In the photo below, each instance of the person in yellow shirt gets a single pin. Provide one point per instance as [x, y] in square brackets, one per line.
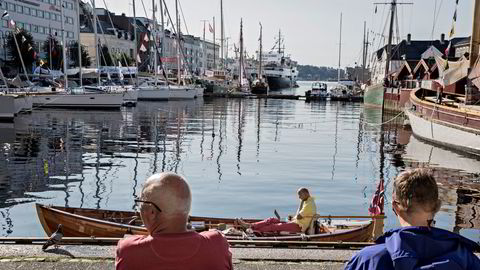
[296, 224]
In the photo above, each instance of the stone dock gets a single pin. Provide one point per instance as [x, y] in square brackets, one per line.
[102, 257]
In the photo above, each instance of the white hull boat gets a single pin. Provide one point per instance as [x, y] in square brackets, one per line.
[7, 107]
[79, 100]
[178, 92]
[130, 96]
[153, 93]
[446, 134]
[423, 152]
[200, 91]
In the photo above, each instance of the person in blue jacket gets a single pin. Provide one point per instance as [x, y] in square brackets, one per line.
[417, 245]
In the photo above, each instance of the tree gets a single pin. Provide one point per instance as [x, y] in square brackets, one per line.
[106, 59]
[52, 47]
[126, 60]
[86, 60]
[27, 48]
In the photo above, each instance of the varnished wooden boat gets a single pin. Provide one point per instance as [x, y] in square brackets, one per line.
[81, 222]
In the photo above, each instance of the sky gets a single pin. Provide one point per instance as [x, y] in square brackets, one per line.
[311, 28]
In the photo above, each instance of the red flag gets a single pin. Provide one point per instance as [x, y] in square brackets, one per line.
[210, 28]
[378, 201]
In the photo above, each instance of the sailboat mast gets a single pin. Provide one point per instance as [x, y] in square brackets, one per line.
[214, 47]
[95, 34]
[179, 75]
[79, 43]
[364, 56]
[340, 49]
[154, 19]
[475, 40]
[279, 41]
[162, 44]
[64, 47]
[260, 77]
[390, 37]
[135, 41]
[203, 51]
[222, 61]
[240, 64]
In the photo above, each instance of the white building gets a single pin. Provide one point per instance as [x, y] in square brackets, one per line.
[40, 18]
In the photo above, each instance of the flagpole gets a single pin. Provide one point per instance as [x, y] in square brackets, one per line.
[178, 43]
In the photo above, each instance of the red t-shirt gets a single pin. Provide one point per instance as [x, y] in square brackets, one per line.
[179, 251]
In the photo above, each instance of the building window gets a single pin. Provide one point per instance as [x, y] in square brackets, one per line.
[20, 25]
[5, 23]
[33, 12]
[35, 29]
[40, 13]
[28, 27]
[19, 9]
[26, 10]
[11, 7]
[41, 30]
[69, 34]
[47, 15]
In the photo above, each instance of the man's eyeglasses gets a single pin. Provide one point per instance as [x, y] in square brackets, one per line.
[138, 204]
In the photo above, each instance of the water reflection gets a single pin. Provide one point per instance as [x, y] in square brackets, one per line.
[231, 151]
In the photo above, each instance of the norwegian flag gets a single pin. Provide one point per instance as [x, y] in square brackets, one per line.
[378, 200]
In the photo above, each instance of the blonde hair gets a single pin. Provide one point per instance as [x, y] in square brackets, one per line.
[417, 189]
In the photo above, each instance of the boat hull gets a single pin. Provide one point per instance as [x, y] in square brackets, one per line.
[7, 108]
[396, 99]
[79, 222]
[179, 93]
[153, 94]
[83, 101]
[278, 83]
[374, 95]
[445, 134]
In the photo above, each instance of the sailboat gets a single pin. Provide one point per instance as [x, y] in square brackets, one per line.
[448, 117]
[374, 94]
[260, 86]
[342, 92]
[243, 85]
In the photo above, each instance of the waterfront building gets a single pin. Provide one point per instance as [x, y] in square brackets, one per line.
[41, 18]
[414, 50]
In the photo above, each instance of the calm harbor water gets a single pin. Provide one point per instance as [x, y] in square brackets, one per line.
[242, 158]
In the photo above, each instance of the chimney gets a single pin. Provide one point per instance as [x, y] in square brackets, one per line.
[442, 39]
[409, 39]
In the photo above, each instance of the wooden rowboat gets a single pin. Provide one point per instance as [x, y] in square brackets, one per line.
[81, 222]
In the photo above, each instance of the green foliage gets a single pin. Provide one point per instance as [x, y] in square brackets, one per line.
[52, 47]
[314, 73]
[27, 49]
[86, 60]
[105, 58]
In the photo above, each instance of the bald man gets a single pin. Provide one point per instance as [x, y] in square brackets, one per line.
[297, 224]
[164, 207]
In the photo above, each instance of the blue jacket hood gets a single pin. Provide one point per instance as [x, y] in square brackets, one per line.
[423, 242]
[411, 248]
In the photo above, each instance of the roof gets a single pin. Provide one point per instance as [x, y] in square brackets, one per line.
[415, 48]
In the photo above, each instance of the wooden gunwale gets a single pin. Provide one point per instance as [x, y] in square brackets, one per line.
[46, 215]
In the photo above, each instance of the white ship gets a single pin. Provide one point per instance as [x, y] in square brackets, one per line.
[280, 70]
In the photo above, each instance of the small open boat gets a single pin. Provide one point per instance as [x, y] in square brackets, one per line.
[81, 222]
